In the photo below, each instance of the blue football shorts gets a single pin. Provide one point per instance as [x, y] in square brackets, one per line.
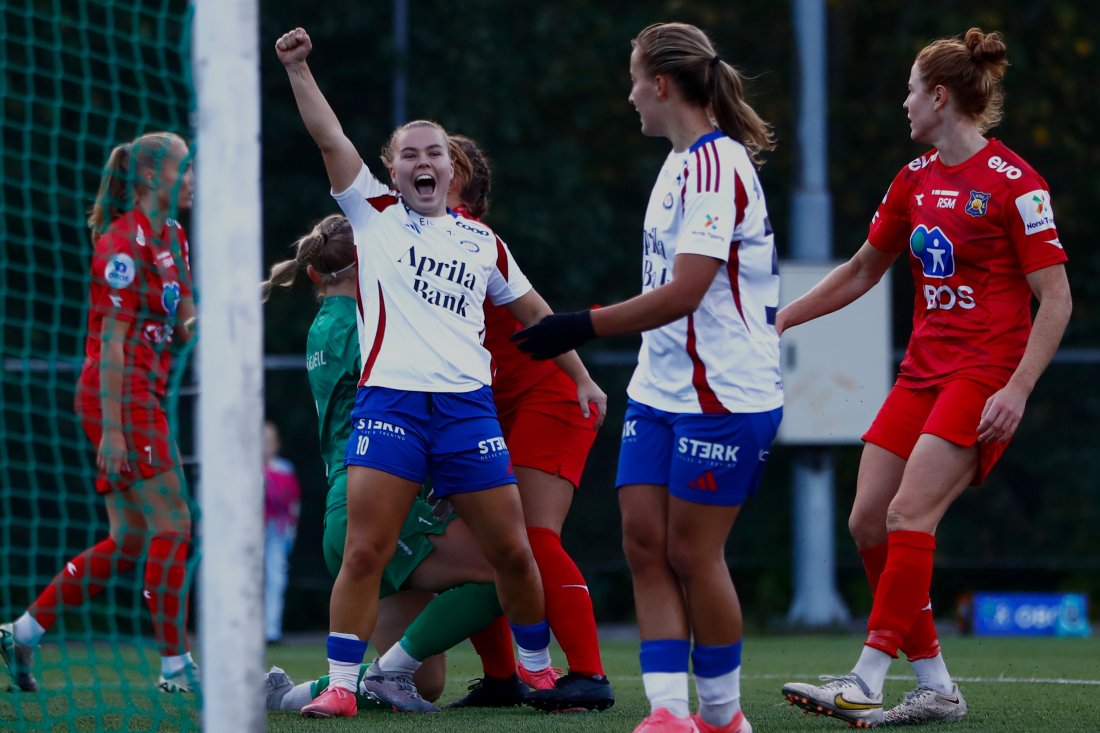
[454, 437]
[704, 459]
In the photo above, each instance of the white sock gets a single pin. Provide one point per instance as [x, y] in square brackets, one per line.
[932, 672]
[343, 674]
[398, 661]
[171, 665]
[534, 660]
[297, 696]
[872, 667]
[27, 630]
[719, 697]
[667, 690]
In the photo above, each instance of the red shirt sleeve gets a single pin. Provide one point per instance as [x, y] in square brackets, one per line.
[117, 276]
[1030, 226]
[889, 230]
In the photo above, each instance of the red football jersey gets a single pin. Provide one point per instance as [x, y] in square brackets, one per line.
[136, 279]
[973, 231]
[513, 371]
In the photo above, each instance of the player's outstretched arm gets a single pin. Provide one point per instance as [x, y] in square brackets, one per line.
[842, 286]
[532, 308]
[342, 161]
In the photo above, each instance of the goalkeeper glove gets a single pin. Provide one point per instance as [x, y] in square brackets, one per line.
[556, 334]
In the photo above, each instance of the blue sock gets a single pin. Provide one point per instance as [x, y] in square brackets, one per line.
[345, 654]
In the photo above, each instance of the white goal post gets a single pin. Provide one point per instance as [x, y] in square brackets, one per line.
[227, 254]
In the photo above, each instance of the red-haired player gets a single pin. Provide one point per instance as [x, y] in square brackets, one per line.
[977, 223]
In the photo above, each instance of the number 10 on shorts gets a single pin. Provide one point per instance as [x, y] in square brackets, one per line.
[361, 445]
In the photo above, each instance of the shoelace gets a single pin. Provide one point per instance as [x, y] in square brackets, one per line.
[832, 682]
[403, 683]
[919, 692]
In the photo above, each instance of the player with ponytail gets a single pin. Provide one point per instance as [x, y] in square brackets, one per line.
[140, 297]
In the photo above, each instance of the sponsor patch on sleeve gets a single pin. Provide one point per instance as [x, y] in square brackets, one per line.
[1035, 211]
[119, 272]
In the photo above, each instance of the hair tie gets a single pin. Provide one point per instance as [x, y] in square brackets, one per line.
[715, 61]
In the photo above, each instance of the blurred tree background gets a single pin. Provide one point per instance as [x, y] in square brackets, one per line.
[543, 87]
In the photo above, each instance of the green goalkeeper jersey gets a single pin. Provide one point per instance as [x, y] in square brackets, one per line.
[333, 363]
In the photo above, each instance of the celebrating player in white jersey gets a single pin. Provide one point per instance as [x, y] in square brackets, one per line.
[423, 399]
[706, 398]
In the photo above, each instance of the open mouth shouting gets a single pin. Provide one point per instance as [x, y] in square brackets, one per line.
[425, 184]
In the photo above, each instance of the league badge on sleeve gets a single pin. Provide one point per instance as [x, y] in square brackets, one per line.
[119, 272]
[1035, 210]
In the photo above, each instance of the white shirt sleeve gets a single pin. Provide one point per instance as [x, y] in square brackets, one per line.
[355, 200]
[708, 226]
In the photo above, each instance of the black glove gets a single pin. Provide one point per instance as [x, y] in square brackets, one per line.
[556, 334]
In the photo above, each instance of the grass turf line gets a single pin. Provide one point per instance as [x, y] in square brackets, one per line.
[1000, 692]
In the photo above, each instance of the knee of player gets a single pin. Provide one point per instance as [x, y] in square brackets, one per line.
[690, 560]
[866, 530]
[643, 549]
[364, 558]
[131, 544]
[512, 558]
[907, 516]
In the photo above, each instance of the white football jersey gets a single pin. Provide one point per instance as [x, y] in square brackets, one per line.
[422, 288]
[724, 357]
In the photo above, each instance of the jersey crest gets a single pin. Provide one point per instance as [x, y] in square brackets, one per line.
[978, 203]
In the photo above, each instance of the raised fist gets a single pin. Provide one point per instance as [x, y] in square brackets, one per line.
[293, 47]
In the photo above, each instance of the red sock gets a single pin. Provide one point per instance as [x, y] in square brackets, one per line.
[874, 562]
[568, 604]
[81, 580]
[165, 577]
[902, 589]
[921, 641]
[494, 645]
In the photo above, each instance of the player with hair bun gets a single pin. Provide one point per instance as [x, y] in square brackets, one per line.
[140, 299]
[977, 223]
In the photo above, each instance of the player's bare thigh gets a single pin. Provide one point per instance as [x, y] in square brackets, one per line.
[150, 507]
[936, 473]
[877, 484]
[457, 559]
[546, 498]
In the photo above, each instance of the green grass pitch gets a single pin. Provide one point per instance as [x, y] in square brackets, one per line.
[1010, 685]
[1022, 685]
